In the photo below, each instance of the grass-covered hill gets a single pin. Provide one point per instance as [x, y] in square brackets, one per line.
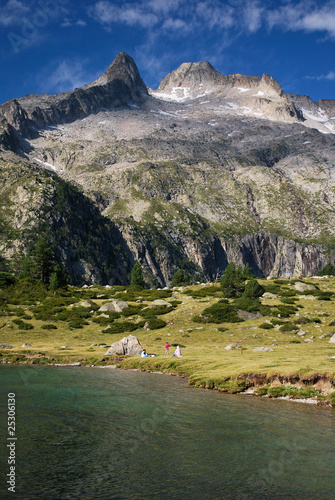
[293, 323]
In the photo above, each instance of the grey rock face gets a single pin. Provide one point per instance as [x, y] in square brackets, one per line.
[332, 340]
[127, 346]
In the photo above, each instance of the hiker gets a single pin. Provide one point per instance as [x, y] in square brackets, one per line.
[167, 345]
[144, 354]
[177, 352]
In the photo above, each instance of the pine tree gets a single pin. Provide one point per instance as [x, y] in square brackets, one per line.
[42, 259]
[180, 278]
[58, 278]
[137, 276]
[54, 284]
[27, 265]
[233, 280]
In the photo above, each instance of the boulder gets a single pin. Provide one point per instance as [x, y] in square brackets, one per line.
[84, 303]
[301, 333]
[332, 340]
[263, 349]
[309, 341]
[6, 346]
[245, 315]
[128, 345]
[159, 303]
[268, 295]
[115, 306]
[26, 345]
[302, 287]
[230, 347]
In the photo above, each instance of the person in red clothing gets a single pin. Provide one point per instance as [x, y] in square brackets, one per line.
[167, 345]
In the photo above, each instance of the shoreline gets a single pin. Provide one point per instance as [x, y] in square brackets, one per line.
[248, 392]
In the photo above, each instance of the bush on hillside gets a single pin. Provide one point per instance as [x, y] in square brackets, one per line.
[218, 313]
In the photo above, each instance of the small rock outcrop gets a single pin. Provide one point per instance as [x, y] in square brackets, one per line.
[303, 287]
[127, 346]
[159, 303]
[332, 340]
[230, 347]
[263, 349]
[115, 306]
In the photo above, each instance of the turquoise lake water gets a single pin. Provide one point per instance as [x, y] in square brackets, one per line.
[91, 433]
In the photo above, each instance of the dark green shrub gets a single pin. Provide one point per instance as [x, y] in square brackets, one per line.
[288, 327]
[49, 327]
[247, 304]
[155, 323]
[315, 320]
[285, 311]
[265, 326]
[223, 329]
[6, 279]
[302, 321]
[286, 300]
[295, 342]
[120, 327]
[77, 323]
[276, 322]
[287, 292]
[131, 311]
[175, 303]
[22, 325]
[155, 311]
[218, 313]
[253, 289]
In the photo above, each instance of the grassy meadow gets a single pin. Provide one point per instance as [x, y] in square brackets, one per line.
[66, 326]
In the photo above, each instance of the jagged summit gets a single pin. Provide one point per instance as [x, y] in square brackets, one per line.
[203, 76]
[122, 68]
[119, 86]
[191, 75]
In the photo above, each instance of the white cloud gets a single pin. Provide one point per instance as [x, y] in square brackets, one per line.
[253, 16]
[130, 13]
[68, 23]
[247, 16]
[175, 24]
[12, 12]
[304, 16]
[64, 76]
[329, 76]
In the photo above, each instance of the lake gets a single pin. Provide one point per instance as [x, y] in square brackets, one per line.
[94, 433]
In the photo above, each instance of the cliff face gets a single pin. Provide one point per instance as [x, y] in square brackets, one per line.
[205, 170]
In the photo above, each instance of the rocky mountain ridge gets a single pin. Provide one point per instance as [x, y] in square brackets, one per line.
[205, 170]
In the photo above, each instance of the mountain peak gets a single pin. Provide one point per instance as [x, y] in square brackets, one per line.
[122, 68]
[191, 75]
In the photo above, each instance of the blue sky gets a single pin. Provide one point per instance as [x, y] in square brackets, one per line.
[50, 46]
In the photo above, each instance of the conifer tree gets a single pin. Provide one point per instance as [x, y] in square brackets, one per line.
[137, 276]
[42, 259]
